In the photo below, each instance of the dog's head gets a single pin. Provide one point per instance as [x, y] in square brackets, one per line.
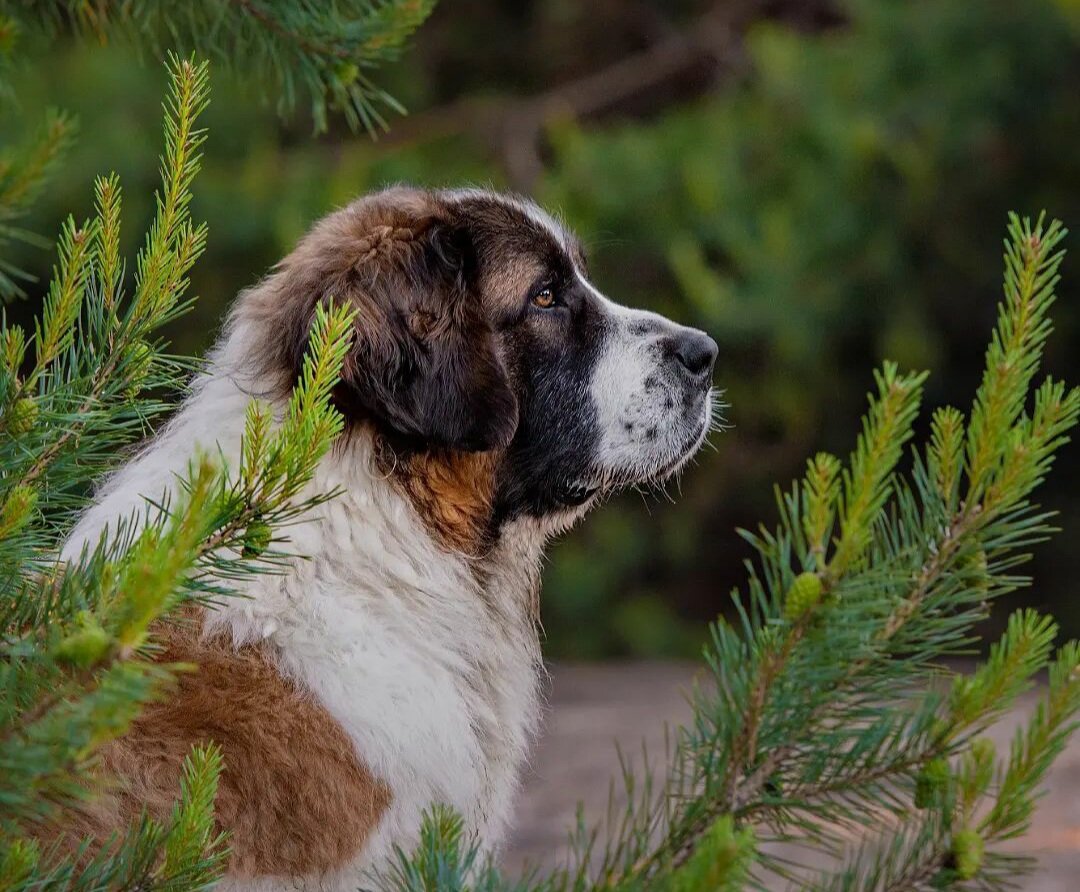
[479, 335]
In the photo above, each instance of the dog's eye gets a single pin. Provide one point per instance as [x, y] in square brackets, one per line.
[544, 298]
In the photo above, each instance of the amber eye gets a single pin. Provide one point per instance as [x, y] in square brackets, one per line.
[544, 298]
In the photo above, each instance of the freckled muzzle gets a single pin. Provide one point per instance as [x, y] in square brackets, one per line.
[651, 390]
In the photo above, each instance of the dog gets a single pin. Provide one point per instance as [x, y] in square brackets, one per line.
[491, 396]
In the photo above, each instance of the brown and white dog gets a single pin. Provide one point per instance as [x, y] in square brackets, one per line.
[492, 396]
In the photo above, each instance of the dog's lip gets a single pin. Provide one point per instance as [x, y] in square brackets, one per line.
[587, 489]
[578, 493]
[689, 449]
[662, 474]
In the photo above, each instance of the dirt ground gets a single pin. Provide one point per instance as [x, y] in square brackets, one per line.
[593, 706]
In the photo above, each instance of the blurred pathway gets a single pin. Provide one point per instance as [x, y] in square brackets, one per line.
[592, 706]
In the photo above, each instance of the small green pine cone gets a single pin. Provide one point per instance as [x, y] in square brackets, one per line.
[973, 570]
[257, 538]
[346, 73]
[87, 645]
[142, 356]
[17, 509]
[21, 416]
[803, 596]
[932, 784]
[968, 850]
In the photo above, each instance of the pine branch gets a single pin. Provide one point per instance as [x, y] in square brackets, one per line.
[76, 652]
[1031, 272]
[116, 359]
[324, 50]
[193, 852]
[320, 49]
[23, 173]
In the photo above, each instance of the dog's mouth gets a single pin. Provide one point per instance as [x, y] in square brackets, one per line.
[676, 464]
[578, 492]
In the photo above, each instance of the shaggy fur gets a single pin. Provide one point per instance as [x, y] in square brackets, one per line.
[293, 794]
[492, 396]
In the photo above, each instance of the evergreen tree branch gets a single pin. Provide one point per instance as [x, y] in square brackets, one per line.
[77, 639]
[23, 172]
[323, 50]
[88, 395]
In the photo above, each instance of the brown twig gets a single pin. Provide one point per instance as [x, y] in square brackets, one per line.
[514, 127]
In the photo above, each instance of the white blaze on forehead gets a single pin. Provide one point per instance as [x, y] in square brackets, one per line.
[526, 207]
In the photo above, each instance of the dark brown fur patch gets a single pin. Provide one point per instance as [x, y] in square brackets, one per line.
[424, 378]
[293, 796]
[423, 367]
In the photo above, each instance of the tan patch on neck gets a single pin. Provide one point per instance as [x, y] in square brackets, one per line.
[293, 796]
[452, 492]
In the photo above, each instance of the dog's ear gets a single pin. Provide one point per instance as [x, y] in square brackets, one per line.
[424, 364]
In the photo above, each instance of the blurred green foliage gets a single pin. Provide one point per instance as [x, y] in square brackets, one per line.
[835, 200]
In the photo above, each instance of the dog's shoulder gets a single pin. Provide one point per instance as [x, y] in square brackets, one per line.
[293, 796]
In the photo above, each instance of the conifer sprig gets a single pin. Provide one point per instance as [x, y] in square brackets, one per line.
[886, 428]
[95, 389]
[324, 51]
[23, 171]
[77, 645]
[181, 853]
[1012, 359]
[173, 244]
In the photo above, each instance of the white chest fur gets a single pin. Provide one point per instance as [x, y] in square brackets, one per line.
[432, 675]
[430, 664]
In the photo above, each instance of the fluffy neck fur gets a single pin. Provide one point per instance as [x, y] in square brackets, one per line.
[211, 418]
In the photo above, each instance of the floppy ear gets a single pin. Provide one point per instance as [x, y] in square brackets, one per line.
[423, 364]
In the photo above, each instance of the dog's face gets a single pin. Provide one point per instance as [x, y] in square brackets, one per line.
[479, 334]
[606, 396]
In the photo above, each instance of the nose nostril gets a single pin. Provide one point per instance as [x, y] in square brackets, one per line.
[697, 352]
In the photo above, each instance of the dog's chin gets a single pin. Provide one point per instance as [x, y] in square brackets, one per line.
[653, 471]
[672, 467]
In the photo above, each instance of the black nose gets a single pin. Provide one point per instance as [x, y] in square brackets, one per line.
[696, 351]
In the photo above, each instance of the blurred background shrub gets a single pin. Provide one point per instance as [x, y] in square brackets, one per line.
[818, 184]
